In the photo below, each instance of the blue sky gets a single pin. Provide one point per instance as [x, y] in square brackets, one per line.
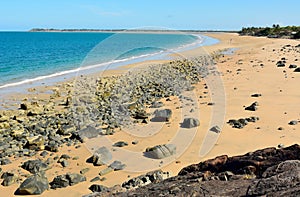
[172, 14]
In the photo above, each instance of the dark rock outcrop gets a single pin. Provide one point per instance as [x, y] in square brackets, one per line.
[268, 172]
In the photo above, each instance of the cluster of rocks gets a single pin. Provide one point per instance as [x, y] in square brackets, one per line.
[242, 122]
[94, 107]
[266, 172]
[94, 104]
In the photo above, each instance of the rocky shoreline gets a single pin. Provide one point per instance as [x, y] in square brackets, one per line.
[89, 108]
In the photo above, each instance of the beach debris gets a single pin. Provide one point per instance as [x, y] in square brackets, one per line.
[34, 185]
[163, 115]
[161, 151]
[190, 123]
[252, 107]
[100, 157]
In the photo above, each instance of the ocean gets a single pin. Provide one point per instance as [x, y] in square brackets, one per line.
[26, 57]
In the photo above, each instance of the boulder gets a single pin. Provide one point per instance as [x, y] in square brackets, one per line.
[34, 185]
[215, 129]
[297, 69]
[98, 188]
[65, 180]
[161, 151]
[117, 165]
[120, 144]
[162, 115]
[34, 166]
[8, 179]
[35, 143]
[293, 122]
[89, 132]
[190, 123]
[252, 107]
[100, 157]
[293, 66]
[66, 130]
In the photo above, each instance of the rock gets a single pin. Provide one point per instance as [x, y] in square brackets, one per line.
[89, 132]
[256, 95]
[281, 177]
[75, 178]
[60, 181]
[252, 107]
[97, 178]
[34, 185]
[216, 129]
[142, 180]
[293, 66]
[66, 130]
[64, 163]
[141, 114]
[120, 144]
[100, 157]
[5, 161]
[84, 170]
[106, 171]
[135, 142]
[35, 143]
[23, 106]
[8, 179]
[65, 180]
[190, 123]
[280, 64]
[161, 151]
[117, 165]
[34, 166]
[156, 104]
[293, 122]
[98, 188]
[162, 115]
[297, 69]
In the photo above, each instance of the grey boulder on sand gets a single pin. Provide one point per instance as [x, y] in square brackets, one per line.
[162, 115]
[34, 185]
[190, 123]
[101, 157]
[161, 151]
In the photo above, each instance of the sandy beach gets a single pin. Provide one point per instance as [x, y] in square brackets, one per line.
[250, 69]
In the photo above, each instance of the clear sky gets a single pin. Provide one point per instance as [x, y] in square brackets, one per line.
[172, 14]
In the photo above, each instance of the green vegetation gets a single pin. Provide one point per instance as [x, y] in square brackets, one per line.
[292, 32]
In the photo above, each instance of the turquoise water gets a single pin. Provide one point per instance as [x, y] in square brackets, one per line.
[30, 56]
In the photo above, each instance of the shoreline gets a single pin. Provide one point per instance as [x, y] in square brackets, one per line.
[241, 78]
[22, 87]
